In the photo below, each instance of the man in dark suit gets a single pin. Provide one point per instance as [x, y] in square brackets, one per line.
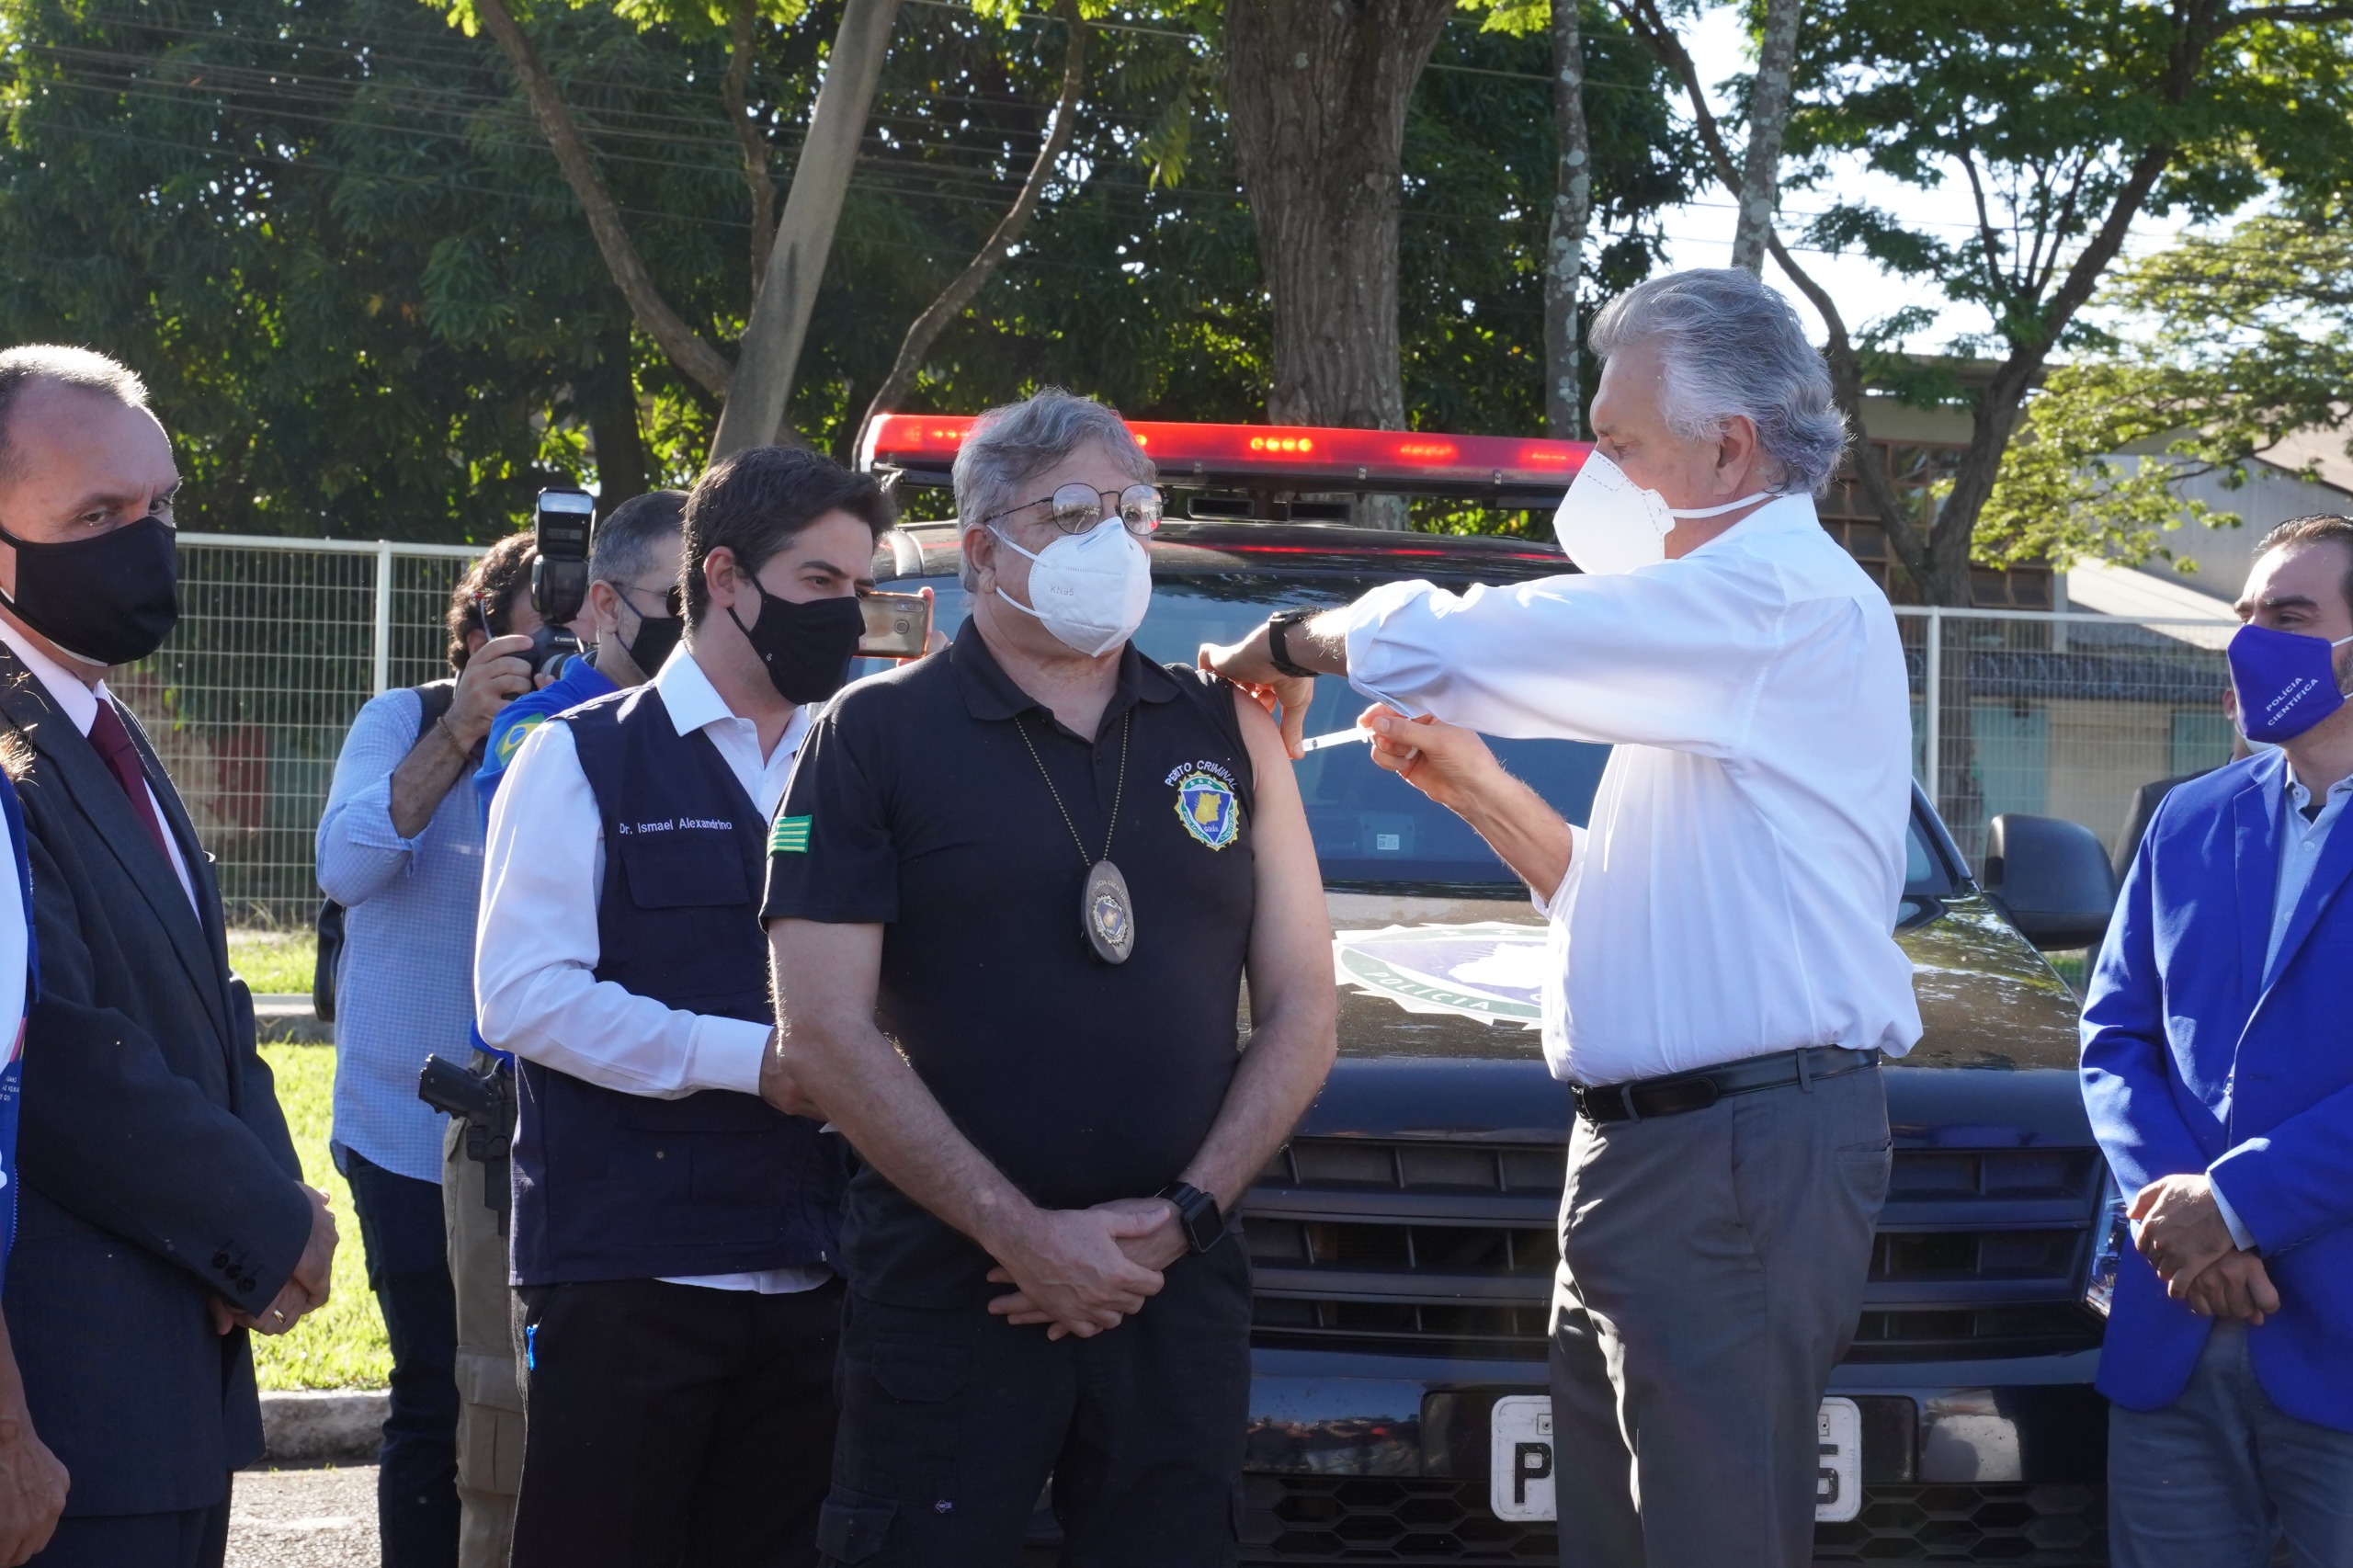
[161, 1208]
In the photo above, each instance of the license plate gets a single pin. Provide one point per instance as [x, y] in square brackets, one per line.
[1521, 1487]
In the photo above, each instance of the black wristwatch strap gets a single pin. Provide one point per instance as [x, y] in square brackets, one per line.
[1197, 1215]
[1279, 627]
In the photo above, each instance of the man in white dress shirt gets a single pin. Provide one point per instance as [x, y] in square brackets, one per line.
[674, 1238]
[1724, 978]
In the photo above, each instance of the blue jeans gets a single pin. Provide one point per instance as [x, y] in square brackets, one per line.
[408, 1269]
[2215, 1478]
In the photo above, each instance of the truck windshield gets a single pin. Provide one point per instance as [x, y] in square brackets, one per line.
[1372, 829]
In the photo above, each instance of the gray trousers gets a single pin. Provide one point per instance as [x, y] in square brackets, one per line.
[2217, 1477]
[1712, 1274]
[490, 1414]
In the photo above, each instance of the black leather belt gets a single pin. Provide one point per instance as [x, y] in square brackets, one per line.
[1679, 1092]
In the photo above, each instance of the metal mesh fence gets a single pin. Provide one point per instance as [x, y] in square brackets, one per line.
[282, 640]
[2060, 715]
[279, 643]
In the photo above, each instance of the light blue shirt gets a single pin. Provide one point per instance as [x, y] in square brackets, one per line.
[405, 990]
[2301, 842]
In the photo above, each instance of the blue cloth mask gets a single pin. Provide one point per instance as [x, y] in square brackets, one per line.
[2286, 682]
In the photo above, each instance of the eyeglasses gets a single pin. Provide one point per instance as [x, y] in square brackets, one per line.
[1076, 508]
[672, 605]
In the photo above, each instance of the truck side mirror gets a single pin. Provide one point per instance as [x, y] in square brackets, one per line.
[2052, 878]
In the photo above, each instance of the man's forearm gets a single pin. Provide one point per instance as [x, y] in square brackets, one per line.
[424, 776]
[1523, 830]
[1320, 642]
[1281, 1070]
[868, 1090]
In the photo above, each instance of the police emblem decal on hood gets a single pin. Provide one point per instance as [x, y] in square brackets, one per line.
[1492, 970]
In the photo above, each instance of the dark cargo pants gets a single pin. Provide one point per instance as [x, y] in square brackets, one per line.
[952, 1419]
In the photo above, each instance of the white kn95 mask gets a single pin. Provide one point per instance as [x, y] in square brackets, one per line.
[1608, 524]
[1090, 590]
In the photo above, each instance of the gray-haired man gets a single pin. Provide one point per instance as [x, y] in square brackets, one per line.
[1724, 979]
[1070, 1118]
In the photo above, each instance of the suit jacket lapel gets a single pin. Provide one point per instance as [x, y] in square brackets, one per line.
[177, 823]
[113, 822]
[2328, 876]
[2255, 812]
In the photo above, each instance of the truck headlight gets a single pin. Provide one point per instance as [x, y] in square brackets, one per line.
[2111, 1236]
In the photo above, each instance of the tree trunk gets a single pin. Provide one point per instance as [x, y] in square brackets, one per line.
[1571, 212]
[927, 327]
[665, 326]
[770, 352]
[1316, 92]
[610, 404]
[1769, 117]
[743, 29]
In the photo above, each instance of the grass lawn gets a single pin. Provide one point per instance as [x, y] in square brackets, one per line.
[341, 1345]
[275, 963]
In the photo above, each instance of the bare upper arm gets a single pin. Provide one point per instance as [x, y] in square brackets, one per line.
[1290, 935]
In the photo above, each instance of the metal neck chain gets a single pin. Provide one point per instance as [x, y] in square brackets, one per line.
[1118, 791]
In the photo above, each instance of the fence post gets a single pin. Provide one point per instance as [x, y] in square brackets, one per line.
[382, 649]
[1932, 695]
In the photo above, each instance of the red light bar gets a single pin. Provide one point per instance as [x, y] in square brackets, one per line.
[1296, 457]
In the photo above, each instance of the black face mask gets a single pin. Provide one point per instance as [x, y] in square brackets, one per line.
[657, 637]
[807, 647]
[108, 600]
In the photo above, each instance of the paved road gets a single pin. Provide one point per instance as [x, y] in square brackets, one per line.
[303, 1519]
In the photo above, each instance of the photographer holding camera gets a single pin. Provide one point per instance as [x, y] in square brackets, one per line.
[400, 848]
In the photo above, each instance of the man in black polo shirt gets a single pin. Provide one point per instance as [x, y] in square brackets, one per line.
[1043, 864]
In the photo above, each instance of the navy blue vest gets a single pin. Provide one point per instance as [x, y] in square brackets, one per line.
[610, 1185]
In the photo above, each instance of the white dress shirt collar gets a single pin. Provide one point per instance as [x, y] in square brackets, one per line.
[694, 703]
[78, 702]
[1783, 514]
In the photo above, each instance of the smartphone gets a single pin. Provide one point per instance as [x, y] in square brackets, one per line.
[897, 625]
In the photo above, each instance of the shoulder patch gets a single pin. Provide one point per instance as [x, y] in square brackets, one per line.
[789, 836]
[516, 734]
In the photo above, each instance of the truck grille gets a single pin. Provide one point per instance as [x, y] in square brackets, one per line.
[1299, 1519]
[1450, 1247]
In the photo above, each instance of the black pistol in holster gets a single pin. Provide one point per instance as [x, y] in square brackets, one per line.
[485, 1103]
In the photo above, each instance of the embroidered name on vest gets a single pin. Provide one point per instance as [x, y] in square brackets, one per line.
[674, 825]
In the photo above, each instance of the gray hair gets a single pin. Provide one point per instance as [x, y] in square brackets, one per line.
[1010, 445]
[626, 537]
[68, 367]
[1730, 346]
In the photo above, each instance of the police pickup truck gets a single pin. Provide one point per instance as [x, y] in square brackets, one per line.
[1403, 1242]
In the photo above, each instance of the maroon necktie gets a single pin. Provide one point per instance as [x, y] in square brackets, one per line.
[113, 741]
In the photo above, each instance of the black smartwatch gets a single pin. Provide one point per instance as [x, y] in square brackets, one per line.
[1197, 1215]
[1279, 627]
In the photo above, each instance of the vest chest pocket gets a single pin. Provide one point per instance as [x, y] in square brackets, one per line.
[685, 870]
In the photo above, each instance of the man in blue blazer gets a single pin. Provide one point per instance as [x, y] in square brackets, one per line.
[2218, 1070]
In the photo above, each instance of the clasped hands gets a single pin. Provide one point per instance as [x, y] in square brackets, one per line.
[1082, 1270]
[1076, 1270]
[305, 1290]
[2178, 1226]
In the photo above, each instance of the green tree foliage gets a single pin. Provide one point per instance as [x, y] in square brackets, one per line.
[331, 236]
[1480, 145]
[2234, 342]
[359, 315]
[2054, 125]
